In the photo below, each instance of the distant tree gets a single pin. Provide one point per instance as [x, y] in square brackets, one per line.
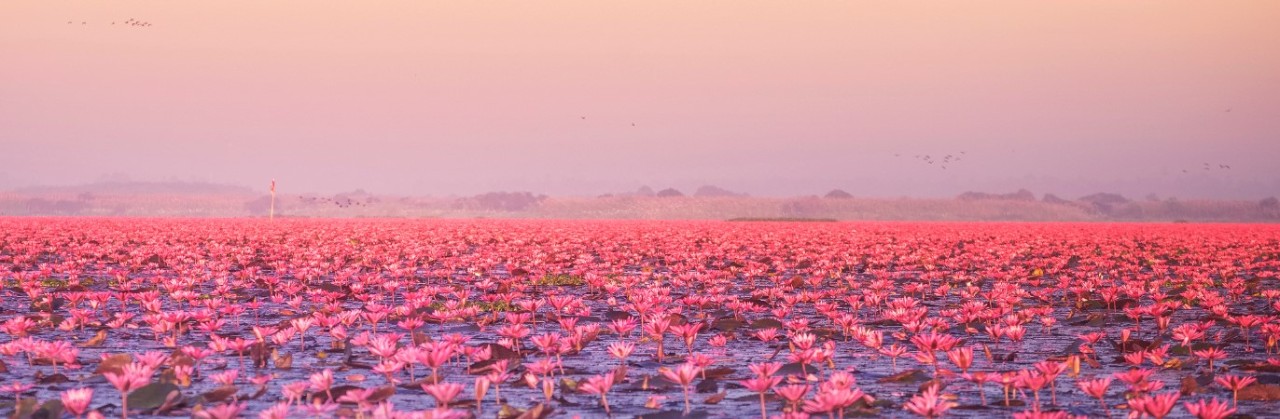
[1054, 199]
[974, 196]
[1105, 198]
[1104, 202]
[1020, 195]
[502, 201]
[669, 193]
[838, 194]
[709, 191]
[1269, 207]
[808, 206]
[261, 206]
[40, 206]
[645, 191]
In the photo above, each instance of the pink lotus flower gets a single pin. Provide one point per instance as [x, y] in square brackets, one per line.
[761, 385]
[276, 411]
[1210, 355]
[132, 376]
[962, 357]
[1096, 388]
[77, 400]
[222, 411]
[1234, 383]
[621, 350]
[322, 381]
[792, 393]
[599, 385]
[1213, 409]
[1157, 406]
[684, 376]
[928, 403]
[443, 393]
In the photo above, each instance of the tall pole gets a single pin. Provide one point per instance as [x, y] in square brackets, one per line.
[273, 199]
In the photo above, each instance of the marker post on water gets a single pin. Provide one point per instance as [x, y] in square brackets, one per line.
[272, 214]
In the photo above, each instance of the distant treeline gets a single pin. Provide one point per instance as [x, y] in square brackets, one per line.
[708, 202]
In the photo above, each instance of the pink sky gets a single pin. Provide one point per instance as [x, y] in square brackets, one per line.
[772, 98]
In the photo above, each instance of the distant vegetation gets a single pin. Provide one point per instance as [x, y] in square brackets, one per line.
[784, 219]
[500, 201]
[709, 191]
[707, 203]
[1020, 195]
[838, 194]
[670, 193]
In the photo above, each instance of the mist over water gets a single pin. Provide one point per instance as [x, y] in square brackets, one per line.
[587, 98]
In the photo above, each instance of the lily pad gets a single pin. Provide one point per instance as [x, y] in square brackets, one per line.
[219, 394]
[51, 409]
[726, 324]
[908, 376]
[1260, 392]
[113, 364]
[766, 323]
[155, 395]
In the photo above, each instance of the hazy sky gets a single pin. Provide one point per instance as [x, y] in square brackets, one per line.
[770, 98]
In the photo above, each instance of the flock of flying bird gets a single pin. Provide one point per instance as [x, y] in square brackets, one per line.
[954, 158]
[632, 124]
[340, 203]
[1208, 167]
[130, 22]
[942, 164]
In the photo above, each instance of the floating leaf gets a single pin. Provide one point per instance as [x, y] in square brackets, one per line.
[673, 414]
[716, 398]
[1189, 386]
[568, 385]
[908, 376]
[381, 394]
[794, 368]
[25, 408]
[509, 412]
[708, 386]
[766, 323]
[284, 361]
[497, 352]
[219, 394]
[53, 379]
[726, 324]
[51, 409]
[113, 364]
[539, 411]
[154, 395]
[719, 372]
[96, 340]
[1260, 392]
